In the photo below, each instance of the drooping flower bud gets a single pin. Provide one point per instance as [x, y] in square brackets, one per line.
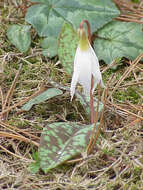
[86, 65]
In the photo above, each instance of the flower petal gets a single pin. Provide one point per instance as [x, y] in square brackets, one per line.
[96, 70]
[83, 67]
[73, 84]
[86, 65]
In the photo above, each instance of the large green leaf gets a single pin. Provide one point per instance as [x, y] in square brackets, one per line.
[48, 16]
[45, 12]
[62, 141]
[19, 36]
[119, 39]
[97, 12]
[49, 46]
[67, 46]
[50, 93]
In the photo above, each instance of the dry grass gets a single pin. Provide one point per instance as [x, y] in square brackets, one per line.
[115, 164]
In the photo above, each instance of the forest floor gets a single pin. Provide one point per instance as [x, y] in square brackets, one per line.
[117, 164]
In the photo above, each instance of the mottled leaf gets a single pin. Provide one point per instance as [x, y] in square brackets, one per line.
[85, 102]
[20, 36]
[67, 46]
[119, 39]
[50, 93]
[62, 141]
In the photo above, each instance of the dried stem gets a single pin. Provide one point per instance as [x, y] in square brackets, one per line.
[124, 110]
[100, 124]
[96, 129]
[92, 112]
[15, 155]
[95, 122]
[126, 73]
[2, 98]
[18, 137]
[130, 12]
[129, 20]
[10, 93]
[21, 102]
[14, 129]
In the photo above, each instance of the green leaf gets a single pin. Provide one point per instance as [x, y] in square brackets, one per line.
[20, 36]
[49, 46]
[85, 102]
[48, 16]
[62, 141]
[44, 25]
[119, 39]
[67, 46]
[97, 12]
[34, 167]
[136, 1]
[50, 93]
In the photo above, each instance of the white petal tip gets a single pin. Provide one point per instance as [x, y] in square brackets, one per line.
[72, 95]
[102, 84]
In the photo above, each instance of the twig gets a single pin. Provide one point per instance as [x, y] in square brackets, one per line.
[132, 16]
[135, 76]
[130, 84]
[131, 67]
[19, 137]
[127, 6]
[21, 157]
[2, 98]
[14, 129]
[136, 107]
[21, 102]
[129, 20]
[113, 63]
[74, 160]
[133, 123]
[11, 90]
[126, 111]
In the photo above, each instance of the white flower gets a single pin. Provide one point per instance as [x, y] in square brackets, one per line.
[86, 65]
